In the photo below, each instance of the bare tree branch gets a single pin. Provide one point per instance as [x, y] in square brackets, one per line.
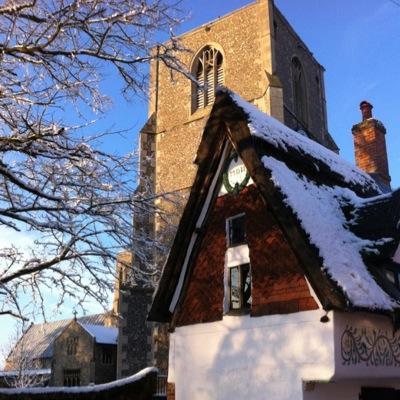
[69, 202]
[13, 314]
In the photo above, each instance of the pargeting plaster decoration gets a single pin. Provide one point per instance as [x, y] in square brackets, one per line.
[372, 347]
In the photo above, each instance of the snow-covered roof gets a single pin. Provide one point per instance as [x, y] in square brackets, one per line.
[350, 229]
[319, 208]
[38, 341]
[285, 139]
[102, 334]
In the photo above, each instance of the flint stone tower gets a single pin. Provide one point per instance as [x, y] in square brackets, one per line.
[254, 52]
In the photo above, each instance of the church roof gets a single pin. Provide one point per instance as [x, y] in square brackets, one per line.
[38, 340]
[326, 207]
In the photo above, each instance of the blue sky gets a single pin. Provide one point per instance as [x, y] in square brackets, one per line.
[357, 41]
[358, 44]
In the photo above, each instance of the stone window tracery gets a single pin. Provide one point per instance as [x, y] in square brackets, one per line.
[209, 73]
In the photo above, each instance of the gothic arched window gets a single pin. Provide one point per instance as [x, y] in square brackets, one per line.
[208, 70]
[299, 91]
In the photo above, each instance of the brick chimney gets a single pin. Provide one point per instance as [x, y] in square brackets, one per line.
[370, 146]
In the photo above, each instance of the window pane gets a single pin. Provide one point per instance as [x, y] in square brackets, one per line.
[237, 233]
[235, 288]
[240, 287]
[246, 285]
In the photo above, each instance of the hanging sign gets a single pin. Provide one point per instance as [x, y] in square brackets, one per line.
[235, 176]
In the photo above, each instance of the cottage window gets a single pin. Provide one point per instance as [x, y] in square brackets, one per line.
[236, 230]
[209, 72]
[106, 355]
[240, 287]
[299, 92]
[72, 346]
[72, 377]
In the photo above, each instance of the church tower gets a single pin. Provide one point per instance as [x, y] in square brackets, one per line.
[252, 51]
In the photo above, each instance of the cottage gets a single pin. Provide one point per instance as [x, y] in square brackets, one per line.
[283, 278]
[253, 51]
[65, 353]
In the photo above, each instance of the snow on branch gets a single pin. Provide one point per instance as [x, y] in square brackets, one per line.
[68, 204]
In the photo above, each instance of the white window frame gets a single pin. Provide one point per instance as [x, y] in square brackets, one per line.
[242, 308]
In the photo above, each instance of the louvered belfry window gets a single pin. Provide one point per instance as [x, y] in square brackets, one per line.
[209, 75]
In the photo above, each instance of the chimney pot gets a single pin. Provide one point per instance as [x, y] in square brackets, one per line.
[366, 110]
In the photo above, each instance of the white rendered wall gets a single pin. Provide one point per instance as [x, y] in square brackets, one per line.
[251, 358]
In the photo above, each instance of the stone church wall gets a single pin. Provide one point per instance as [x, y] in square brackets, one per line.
[243, 38]
[134, 344]
[83, 359]
[288, 45]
